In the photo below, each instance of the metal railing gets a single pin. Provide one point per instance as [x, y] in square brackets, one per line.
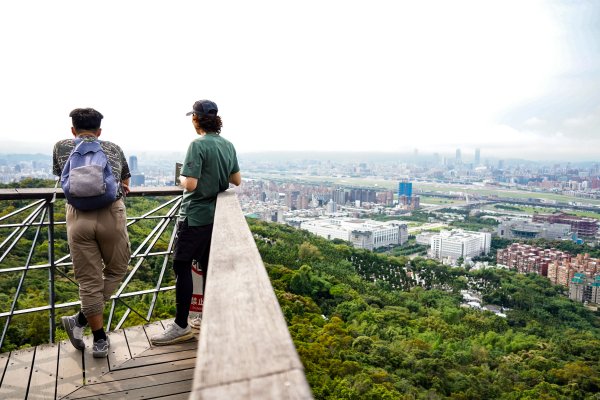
[37, 225]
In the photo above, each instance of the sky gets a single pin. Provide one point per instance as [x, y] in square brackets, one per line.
[517, 79]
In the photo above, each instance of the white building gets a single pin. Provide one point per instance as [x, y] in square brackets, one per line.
[424, 238]
[365, 234]
[458, 243]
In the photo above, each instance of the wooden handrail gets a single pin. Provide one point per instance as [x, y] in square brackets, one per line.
[47, 193]
[245, 349]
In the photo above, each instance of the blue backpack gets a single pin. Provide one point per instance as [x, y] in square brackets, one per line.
[87, 179]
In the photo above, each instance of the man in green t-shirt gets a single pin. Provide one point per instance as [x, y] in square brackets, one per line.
[209, 167]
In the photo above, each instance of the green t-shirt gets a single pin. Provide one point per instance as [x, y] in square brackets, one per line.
[211, 159]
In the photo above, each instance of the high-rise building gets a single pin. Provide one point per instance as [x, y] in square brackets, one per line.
[405, 189]
[477, 157]
[405, 196]
[133, 164]
[458, 157]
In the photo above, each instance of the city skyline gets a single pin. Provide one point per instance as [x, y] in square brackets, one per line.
[516, 79]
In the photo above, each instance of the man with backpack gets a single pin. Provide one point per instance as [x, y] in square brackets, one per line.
[209, 167]
[94, 176]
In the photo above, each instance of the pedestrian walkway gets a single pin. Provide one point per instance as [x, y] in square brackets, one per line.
[133, 369]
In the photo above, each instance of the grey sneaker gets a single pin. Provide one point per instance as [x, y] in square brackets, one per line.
[74, 330]
[173, 334]
[100, 348]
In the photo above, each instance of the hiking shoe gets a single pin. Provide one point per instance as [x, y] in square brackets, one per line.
[173, 334]
[100, 348]
[74, 330]
[195, 322]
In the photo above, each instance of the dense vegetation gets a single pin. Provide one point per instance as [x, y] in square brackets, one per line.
[368, 326]
[371, 326]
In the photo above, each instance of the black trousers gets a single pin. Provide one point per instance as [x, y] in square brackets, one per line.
[191, 243]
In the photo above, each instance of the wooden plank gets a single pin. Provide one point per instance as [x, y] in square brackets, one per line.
[153, 329]
[162, 358]
[288, 385]
[172, 348]
[3, 362]
[147, 370]
[136, 340]
[167, 389]
[43, 375]
[128, 386]
[17, 375]
[180, 396]
[242, 323]
[94, 367]
[118, 352]
[70, 369]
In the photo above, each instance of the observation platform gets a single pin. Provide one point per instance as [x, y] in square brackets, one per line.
[243, 350]
[133, 369]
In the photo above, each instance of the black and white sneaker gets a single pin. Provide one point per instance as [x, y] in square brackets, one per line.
[74, 330]
[100, 348]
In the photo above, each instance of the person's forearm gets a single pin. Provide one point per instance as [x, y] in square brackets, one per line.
[236, 178]
[188, 183]
[125, 183]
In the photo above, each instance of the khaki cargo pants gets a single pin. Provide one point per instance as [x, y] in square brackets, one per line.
[100, 251]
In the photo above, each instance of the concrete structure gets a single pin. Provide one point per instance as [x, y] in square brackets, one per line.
[424, 238]
[365, 234]
[583, 227]
[459, 243]
[518, 228]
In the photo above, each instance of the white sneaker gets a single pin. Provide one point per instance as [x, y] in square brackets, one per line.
[195, 322]
[173, 334]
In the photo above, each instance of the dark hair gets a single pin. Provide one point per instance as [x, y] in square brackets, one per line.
[210, 123]
[86, 119]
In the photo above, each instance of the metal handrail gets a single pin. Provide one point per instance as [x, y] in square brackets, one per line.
[39, 217]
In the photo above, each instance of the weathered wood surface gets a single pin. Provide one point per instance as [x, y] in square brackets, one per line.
[17, 374]
[134, 369]
[43, 375]
[245, 346]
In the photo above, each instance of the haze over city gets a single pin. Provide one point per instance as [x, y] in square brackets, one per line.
[516, 79]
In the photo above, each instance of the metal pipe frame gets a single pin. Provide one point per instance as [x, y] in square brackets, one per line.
[38, 216]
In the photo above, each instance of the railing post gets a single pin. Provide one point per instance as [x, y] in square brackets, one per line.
[51, 271]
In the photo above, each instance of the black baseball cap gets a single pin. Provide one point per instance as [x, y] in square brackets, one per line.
[204, 107]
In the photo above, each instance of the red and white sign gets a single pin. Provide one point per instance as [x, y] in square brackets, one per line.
[197, 292]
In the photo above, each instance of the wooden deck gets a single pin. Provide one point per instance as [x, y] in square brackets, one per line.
[133, 369]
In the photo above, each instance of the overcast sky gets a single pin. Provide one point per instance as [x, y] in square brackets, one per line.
[514, 78]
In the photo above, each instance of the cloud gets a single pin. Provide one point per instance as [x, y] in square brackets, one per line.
[535, 122]
[583, 126]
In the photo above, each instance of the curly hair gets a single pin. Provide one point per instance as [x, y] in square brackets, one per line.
[210, 123]
[86, 119]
